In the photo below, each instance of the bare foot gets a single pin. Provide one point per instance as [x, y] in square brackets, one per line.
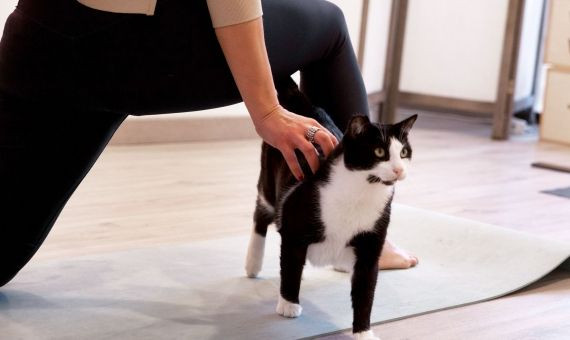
[393, 257]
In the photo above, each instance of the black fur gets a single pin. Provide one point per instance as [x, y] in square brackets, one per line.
[367, 248]
[296, 204]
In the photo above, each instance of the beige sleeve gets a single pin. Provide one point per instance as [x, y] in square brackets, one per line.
[231, 12]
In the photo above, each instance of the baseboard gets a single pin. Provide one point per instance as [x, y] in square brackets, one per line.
[233, 122]
[179, 128]
[445, 104]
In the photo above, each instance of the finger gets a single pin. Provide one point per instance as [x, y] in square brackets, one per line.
[325, 141]
[292, 163]
[326, 131]
[310, 154]
[334, 140]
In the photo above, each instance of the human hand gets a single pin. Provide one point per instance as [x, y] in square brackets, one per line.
[285, 131]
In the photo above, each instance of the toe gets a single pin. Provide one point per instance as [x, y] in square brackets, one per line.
[398, 261]
[414, 260]
[406, 263]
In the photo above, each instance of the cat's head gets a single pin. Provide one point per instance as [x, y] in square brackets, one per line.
[382, 151]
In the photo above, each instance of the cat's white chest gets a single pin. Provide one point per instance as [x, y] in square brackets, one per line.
[349, 205]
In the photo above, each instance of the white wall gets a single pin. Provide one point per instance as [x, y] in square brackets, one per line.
[376, 43]
[530, 39]
[453, 48]
[6, 7]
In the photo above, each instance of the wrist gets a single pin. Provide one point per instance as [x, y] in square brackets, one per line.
[260, 116]
[260, 103]
[271, 112]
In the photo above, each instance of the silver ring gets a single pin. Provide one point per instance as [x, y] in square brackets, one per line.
[310, 134]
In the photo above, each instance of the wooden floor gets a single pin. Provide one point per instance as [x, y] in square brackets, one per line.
[456, 170]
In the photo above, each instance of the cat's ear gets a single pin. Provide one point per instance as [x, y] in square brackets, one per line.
[357, 125]
[406, 125]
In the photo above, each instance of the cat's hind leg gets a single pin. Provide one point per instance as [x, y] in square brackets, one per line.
[263, 216]
[293, 258]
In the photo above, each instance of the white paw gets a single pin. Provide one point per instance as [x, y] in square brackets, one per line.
[254, 260]
[252, 267]
[366, 335]
[288, 309]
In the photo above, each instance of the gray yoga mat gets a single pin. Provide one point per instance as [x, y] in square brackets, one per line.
[199, 290]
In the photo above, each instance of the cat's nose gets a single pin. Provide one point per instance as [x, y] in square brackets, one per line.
[397, 171]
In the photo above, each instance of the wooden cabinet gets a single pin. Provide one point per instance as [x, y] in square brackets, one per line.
[555, 122]
[555, 119]
[558, 35]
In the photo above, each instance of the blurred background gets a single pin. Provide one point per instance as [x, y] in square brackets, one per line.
[487, 59]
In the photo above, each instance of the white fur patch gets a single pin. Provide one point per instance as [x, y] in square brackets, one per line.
[288, 309]
[255, 252]
[349, 205]
[265, 204]
[345, 261]
[366, 335]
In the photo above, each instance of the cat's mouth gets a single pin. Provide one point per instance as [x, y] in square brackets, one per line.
[376, 179]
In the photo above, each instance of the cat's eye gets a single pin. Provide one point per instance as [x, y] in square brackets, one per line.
[404, 153]
[379, 152]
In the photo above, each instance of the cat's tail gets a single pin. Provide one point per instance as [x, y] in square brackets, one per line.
[292, 99]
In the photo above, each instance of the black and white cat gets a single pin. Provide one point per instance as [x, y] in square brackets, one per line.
[338, 216]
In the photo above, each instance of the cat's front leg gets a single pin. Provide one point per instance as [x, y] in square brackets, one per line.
[364, 278]
[293, 256]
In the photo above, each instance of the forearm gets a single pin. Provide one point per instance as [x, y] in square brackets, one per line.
[244, 48]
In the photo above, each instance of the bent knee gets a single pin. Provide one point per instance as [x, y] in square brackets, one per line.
[320, 17]
[333, 11]
[334, 17]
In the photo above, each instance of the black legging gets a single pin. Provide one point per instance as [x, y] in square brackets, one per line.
[70, 75]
